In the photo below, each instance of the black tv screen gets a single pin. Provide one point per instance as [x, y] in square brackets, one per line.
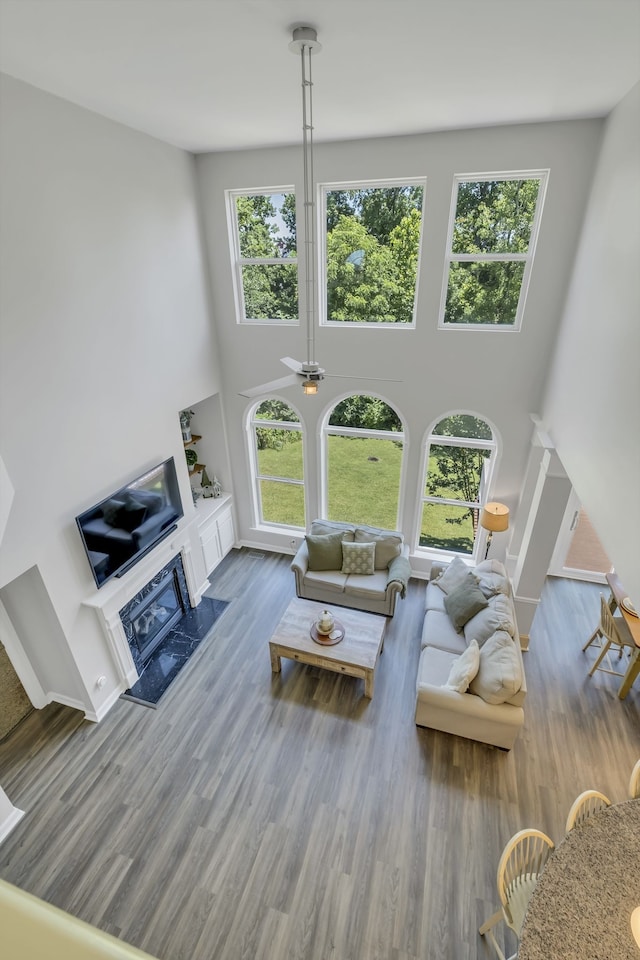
[122, 528]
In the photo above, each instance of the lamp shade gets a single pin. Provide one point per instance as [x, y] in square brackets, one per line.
[495, 517]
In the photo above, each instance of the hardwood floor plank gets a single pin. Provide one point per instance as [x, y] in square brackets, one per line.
[288, 817]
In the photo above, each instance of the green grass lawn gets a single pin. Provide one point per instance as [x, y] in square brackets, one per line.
[364, 477]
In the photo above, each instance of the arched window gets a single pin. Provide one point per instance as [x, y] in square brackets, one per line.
[278, 471]
[363, 456]
[459, 459]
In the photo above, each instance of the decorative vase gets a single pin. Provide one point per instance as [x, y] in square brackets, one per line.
[325, 622]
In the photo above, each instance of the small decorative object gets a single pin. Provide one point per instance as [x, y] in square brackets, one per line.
[325, 622]
[205, 483]
[216, 486]
[185, 424]
[192, 458]
[327, 639]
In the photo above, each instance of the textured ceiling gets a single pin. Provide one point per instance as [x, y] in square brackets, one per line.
[218, 75]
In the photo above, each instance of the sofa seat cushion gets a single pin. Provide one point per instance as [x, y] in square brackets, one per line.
[497, 615]
[388, 544]
[438, 631]
[327, 579]
[373, 585]
[499, 674]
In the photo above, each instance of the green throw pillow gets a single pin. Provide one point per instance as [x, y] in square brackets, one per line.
[359, 558]
[325, 551]
[465, 601]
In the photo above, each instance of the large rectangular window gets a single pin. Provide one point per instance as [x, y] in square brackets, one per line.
[371, 247]
[263, 242]
[492, 237]
[279, 465]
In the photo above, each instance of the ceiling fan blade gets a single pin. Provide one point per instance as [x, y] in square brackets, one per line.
[294, 365]
[345, 376]
[268, 387]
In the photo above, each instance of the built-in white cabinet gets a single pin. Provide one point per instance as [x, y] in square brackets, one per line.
[215, 527]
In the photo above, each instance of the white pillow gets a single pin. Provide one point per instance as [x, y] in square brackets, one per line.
[453, 575]
[499, 675]
[464, 669]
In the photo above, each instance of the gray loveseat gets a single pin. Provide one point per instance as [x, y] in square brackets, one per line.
[319, 561]
[490, 709]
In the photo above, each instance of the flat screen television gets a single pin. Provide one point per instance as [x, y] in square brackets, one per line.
[122, 528]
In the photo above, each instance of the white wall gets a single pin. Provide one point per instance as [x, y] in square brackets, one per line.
[106, 335]
[497, 374]
[592, 404]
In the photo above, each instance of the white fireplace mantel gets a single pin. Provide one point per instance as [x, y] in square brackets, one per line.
[109, 600]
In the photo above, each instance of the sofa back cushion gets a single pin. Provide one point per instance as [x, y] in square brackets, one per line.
[499, 674]
[498, 615]
[388, 544]
[325, 551]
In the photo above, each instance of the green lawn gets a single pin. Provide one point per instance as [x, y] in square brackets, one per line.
[364, 480]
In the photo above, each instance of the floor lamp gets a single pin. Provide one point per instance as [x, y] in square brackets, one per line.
[495, 519]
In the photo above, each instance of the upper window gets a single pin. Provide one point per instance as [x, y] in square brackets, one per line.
[371, 248]
[263, 241]
[278, 464]
[459, 458]
[492, 238]
[363, 452]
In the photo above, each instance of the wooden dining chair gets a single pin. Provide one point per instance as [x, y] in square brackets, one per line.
[611, 638]
[634, 782]
[520, 865]
[584, 806]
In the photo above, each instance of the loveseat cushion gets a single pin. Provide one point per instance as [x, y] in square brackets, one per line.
[492, 583]
[327, 579]
[497, 615]
[499, 674]
[358, 558]
[434, 598]
[323, 527]
[373, 586]
[325, 551]
[452, 575]
[388, 544]
[464, 601]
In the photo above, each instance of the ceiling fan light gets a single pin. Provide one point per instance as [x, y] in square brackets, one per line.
[310, 387]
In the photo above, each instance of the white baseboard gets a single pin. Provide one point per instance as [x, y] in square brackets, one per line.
[10, 821]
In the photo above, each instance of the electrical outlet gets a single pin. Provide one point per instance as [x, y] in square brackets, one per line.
[293, 543]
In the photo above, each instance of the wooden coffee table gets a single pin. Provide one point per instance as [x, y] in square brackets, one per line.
[356, 655]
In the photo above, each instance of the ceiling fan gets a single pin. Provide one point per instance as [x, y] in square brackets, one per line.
[305, 43]
[307, 372]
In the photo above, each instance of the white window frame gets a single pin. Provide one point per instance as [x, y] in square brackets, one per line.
[254, 422]
[325, 188]
[439, 440]
[329, 430]
[528, 257]
[238, 261]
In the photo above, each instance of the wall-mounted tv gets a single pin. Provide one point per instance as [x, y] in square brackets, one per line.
[122, 528]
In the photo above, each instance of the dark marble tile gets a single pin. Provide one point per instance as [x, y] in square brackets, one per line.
[168, 659]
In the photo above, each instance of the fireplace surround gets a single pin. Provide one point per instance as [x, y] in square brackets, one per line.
[149, 616]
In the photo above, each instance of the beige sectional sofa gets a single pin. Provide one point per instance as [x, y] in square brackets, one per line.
[319, 566]
[491, 707]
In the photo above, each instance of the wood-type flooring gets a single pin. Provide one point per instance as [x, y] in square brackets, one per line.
[289, 818]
